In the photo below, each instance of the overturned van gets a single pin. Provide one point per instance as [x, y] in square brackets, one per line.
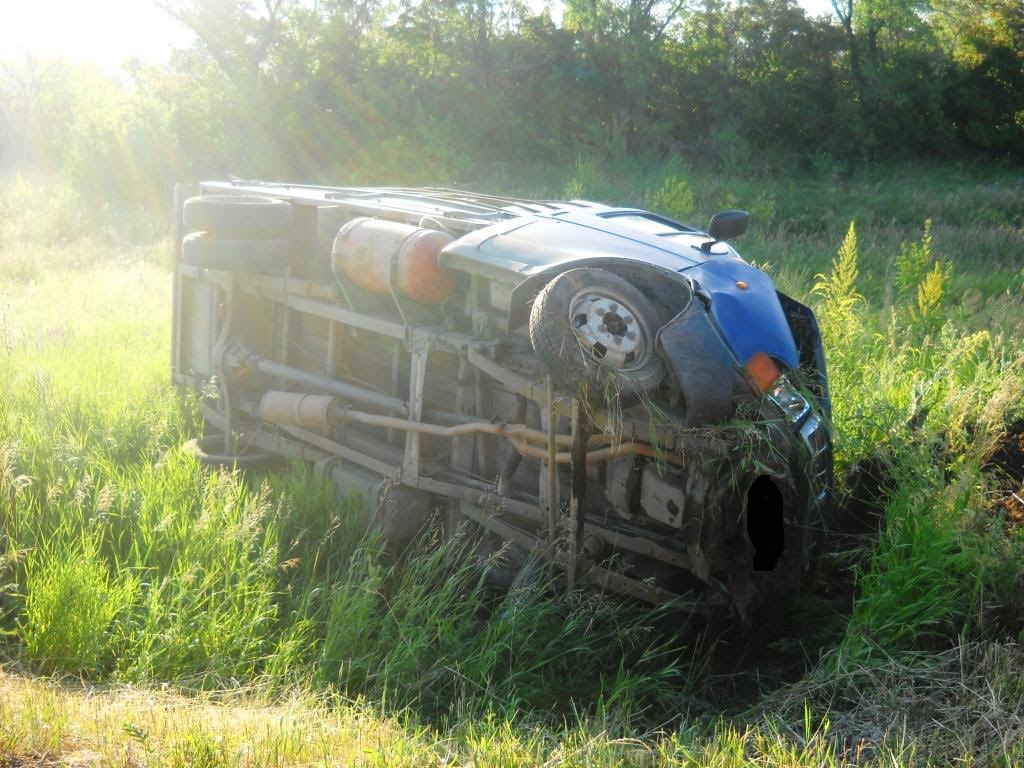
[604, 387]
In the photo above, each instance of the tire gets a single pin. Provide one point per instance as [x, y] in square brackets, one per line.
[239, 216]
[201, 249]
[575, 354]
[209, 450]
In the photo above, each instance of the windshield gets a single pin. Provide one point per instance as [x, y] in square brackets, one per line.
[650, 224]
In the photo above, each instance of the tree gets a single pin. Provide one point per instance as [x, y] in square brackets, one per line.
[238, 35]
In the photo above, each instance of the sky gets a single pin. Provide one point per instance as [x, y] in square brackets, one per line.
[110, 32]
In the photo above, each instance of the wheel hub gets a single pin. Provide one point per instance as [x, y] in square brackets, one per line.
[609, 330]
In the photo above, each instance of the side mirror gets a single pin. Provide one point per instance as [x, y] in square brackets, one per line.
[728, 224]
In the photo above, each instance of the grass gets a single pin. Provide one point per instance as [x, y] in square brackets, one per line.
[288, 636]
[962, 707]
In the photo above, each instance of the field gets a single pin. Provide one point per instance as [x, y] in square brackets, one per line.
[152, 612]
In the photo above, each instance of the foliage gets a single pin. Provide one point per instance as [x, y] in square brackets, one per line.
[913, 261]
[840, 299]
[72, 608]
[674, 198]
[931, 292]
[431, 92]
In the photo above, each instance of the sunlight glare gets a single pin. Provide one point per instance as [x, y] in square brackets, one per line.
[105, 32]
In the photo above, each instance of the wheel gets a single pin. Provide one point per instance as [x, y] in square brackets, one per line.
[209, 450]
[239, 216]
[592, 326]
[215, 252]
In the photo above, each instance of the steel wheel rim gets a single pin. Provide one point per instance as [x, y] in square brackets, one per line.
[610, 331]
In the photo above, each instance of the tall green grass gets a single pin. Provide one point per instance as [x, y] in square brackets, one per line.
[125, 560]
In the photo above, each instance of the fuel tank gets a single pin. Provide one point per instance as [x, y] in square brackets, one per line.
[379, 255]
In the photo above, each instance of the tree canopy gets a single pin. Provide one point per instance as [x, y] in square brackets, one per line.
[383, 89]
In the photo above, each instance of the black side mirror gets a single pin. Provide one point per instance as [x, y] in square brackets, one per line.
[728, 224]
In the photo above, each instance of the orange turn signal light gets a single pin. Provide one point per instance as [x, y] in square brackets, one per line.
[762, 371]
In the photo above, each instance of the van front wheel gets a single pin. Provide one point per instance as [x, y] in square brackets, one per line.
[589, 326]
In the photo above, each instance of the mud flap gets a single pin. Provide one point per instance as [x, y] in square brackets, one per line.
[702, 364]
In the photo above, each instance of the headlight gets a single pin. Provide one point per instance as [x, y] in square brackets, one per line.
[788, 398]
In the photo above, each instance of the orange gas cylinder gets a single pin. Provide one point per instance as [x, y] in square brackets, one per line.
[373, 252]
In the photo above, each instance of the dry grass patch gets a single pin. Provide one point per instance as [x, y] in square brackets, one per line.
[70, 723]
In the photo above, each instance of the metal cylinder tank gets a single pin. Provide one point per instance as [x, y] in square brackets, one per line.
[296, 409]
[378, 255]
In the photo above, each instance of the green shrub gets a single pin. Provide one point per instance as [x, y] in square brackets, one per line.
[913, 262]
[674, 198]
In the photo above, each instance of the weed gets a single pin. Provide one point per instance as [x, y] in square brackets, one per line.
[73, 608]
